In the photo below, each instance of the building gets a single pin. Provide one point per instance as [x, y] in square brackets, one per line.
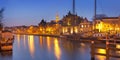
[85, 26]
[52, 27]
[71, 23]
[109, 25]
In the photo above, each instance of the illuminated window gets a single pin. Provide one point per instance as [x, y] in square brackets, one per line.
[85, 25]
[82, 26]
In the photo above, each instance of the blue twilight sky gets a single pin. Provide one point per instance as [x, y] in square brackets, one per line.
[30, 12]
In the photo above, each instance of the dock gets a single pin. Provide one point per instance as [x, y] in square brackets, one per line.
[109, 48]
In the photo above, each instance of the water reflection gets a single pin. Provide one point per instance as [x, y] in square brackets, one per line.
[24, 40]
[101, 57]
[57, 49]
[18, 41]
[7, 55]
[118, 47]
[31, 45]
[48, 48]
[101, 51]
[48, 43]
[41, 40]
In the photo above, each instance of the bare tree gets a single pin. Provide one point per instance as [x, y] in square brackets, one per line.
[1, 18]
[99, 16]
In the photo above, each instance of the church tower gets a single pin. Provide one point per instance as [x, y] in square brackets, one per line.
[57, 18]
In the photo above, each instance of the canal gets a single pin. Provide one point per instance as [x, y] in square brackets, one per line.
[29, 47]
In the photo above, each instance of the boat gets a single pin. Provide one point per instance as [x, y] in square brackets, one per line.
[6, 40]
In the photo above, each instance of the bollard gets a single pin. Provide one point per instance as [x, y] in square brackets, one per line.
[107, 50]
[92, 50]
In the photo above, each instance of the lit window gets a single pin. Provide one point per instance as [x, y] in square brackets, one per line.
[82, 26]
[85, 25]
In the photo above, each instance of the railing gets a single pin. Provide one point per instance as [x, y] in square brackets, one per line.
[108, 45]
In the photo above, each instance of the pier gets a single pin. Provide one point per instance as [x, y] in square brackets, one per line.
[110, 48]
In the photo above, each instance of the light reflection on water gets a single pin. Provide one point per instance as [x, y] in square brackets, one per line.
[118, 47]
[24, 40]
[102, 51]
[29, 47]
[41, 40]
[18, 42]
[57, 49]
[48, 43]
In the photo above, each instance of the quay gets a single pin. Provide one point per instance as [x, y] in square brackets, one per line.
[50, 35]
[110, 48]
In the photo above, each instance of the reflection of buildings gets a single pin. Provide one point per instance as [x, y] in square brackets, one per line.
[31, 45]
[57, 49]
[41, 40]
[6, 54]
[48, 43]
[18, 41]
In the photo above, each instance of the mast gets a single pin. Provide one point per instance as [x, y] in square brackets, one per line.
[73, 6]
[95, 7]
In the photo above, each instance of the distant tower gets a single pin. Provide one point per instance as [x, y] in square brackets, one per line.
[57, 18]
[73, 6]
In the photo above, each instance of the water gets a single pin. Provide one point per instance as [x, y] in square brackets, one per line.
[29, 47]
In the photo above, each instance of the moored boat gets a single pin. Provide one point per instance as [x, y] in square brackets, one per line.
[6, 41]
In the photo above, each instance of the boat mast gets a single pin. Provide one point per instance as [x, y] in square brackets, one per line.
[73, 6]
[95, 9]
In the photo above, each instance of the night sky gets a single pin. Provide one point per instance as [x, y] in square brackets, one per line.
[30, 12]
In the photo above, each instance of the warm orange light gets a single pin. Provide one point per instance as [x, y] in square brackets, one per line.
[24, 40]
[41, 40]
[63, 30]
[40, 29]
[82, 26]
[31, 45]
[66, 30]
[48, 43]
[76, 30]
[118, 47]
[57, 18]
[71, 30]
[68, 22]
[101, 57]
[18, 41]
[102, 51]
[57, 49]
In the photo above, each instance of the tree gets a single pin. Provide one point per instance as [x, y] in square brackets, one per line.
[42, 23]
[1, 18]
[99, 16]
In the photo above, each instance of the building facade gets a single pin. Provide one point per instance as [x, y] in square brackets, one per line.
[108, 25]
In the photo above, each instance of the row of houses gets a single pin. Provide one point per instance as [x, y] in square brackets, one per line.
[73, 24]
